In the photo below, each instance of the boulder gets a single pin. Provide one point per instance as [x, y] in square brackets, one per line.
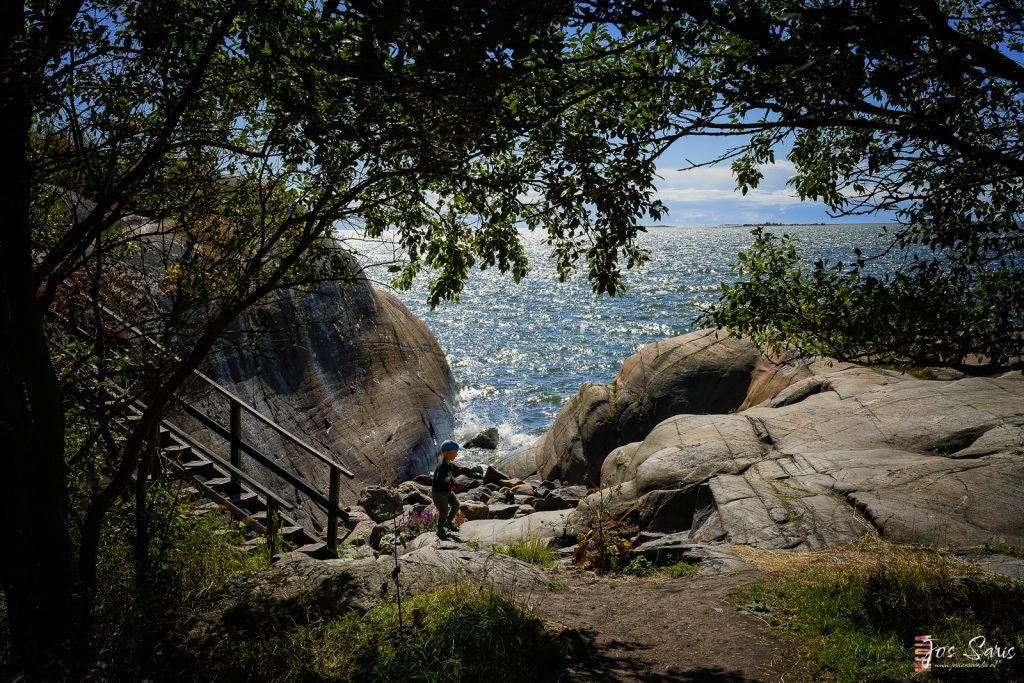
[493, 475]
[413, 493]
[523, 489]
[365, 532]
[935, 462]
[712, 559]
[561, 499]
[521, 463]
[701, 372]
[464, 483]
[503, 495]
[346, 368]
[502, 511]
[487, 439]
[474, 470]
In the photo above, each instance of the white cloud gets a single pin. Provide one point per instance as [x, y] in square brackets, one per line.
[710, 195]
[759, 197]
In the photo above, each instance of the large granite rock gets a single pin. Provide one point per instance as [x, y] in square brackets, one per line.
[348, 369]
[549, 525]
[844, 452]
[701, 372]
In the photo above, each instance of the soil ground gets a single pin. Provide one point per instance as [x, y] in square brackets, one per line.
[662, 629]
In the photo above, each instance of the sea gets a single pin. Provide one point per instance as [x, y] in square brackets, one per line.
[520, 351]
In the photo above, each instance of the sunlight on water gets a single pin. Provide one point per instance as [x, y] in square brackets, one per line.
[518, 352]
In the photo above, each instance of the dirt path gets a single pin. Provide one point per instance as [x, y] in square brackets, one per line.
[632, 629]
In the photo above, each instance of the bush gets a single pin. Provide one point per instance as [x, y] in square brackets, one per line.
[455, 634]
[682, 569]
[639, 566]
[605, 545]
[188, 557]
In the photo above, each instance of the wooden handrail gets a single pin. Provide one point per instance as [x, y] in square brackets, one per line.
[252, 410]
[234, 437]
[257, 487]
[329, 504]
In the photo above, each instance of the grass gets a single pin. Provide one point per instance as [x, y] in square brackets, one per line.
[532, 550]
[681, 569]
[641, 566]
[455, 634]
[859, 610]
[1003, 549]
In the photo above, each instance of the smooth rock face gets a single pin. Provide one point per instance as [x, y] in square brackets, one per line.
[825, 461]
[350, 371]
[701, 372]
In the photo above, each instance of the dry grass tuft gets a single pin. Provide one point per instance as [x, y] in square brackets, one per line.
[866, 555]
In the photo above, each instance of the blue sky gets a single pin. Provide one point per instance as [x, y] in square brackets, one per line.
[708, 196]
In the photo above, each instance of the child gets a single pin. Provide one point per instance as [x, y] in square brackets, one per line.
[442, 491]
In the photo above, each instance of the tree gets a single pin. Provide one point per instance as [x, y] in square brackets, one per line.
[182, 161]
[906, 107]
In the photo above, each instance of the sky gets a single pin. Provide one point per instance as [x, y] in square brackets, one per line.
[708, 196]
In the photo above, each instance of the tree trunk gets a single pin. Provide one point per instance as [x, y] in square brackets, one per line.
[37, 566]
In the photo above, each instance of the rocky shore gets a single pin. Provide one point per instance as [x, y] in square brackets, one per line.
[702, 438]
[699, 445]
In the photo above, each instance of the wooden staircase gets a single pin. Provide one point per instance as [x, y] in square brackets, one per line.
[224, 482]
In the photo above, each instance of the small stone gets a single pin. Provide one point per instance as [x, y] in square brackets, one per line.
[474, 510]
[487, 439]
[492, 476]
[502, 511]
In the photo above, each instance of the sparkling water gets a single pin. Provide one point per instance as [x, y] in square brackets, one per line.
[519, 351]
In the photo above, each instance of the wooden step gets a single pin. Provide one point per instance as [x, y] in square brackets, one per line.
[179, 453]
[189, 493]
[200, 467]
[318, 551]
[296, 535]
[223, 485]
[248, 500]
[206, 508]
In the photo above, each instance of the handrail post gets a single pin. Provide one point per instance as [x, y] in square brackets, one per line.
[332, 513]
[236, 435]
[272, 518]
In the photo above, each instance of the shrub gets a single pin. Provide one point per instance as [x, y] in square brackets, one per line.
[455, 634]
[605, 545]
[188, 557]
[639, 566]
[682, 569]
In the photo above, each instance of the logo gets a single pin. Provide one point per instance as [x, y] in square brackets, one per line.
[977, 653]
[923, 646]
